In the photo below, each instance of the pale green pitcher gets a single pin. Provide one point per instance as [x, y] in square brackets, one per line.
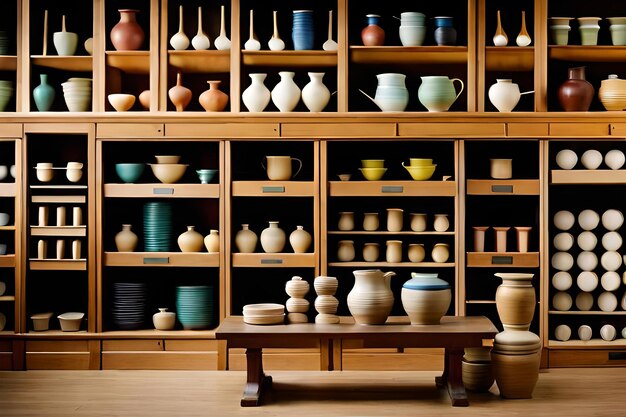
[437, 92]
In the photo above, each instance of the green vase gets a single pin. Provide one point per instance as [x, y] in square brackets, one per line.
[43, 94]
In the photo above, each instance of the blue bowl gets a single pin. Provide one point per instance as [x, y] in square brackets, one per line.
[129, 172]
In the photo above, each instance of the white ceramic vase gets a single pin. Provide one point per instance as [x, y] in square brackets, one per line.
[300, 240]
[286, 94]
[315, 94]
[257, 96]
[246, 240]
[126, 240]
[164, 320]
[190, 241]
[212, 241]
[273, 238]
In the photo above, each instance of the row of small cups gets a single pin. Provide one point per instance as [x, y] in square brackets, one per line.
[607, 301]
[371, 252]
[590, 159]
[608, 332]
[395, 222]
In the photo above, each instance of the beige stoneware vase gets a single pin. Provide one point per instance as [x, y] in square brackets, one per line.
[370, 301]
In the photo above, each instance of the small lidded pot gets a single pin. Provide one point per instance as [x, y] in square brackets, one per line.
[164, 320]
[426, 298]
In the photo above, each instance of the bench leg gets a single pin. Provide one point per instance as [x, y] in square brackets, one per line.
[257, 381]
[452, 377]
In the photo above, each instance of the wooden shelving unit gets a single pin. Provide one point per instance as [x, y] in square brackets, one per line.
[579, 53]
[58, 264]
[509, 58]
[404, 55]
[200, 61]
[131, 62]
[503, 187]
[588, 176]
[64, 63]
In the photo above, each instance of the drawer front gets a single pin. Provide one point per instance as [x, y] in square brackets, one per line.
[463, 130]
[129, 130]
[6, 361]
[223, 130]
[379, 360]
[330, 130]
[133, 345]
[57, 346]
[193, 345]
[574, 358]
[57, 361]
[278, 360]
[160, 360]
[527, 130]
[579, 129]
[6, 346]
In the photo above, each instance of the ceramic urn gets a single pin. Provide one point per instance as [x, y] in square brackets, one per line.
[426, 298]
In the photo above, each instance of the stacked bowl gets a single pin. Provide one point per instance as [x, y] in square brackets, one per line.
[612, 93]
[412, 28]
[373, 169]
[618, 30]
[194, 306]
[302, 30]
[6, 92]
[157, 226]
[4, 43]
[77, 94]
[129, 305]
[267, 313]
[421, 169]
[167, 169]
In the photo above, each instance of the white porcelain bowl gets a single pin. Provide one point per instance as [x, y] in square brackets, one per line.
[70, 322]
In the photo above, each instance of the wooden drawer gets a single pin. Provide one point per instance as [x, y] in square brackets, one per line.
[579, 129]
[6, 346]
[274, 189]
[193, 345]
[223, 130]
[527, 130]
[129, 130]
[306, 359]
[579, 357]
[133, 345]
[392, 188]
[54, 360]
[6, 361]
[410, 359]
[503, 187]
[57, 346]
[274, 260]
[461, 130]
[333, 130]
[10, 130]
[618, 129]
[160, 360]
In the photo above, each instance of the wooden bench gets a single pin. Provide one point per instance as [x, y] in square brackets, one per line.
[454, 334]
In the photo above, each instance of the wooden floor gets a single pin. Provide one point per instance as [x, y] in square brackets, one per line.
[559, 392]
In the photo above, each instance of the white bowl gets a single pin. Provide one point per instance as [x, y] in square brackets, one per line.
[591, 159]
[588, 219]
[587, 241]
[587, 281]
[562, 332]
[612, 219]
[70, 322]
[562, 261]
[562, 301]
[566, 159]
[562, 281]
[614, 159]
[610, 281]
[587, 261]
[584, 301]
[563, 241]
[612, 241]
[607, 301]
[564, 220]
[611, 261]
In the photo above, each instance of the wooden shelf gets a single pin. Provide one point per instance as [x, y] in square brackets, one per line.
[274, 260]
[58, 264]
[7, 298]
[131, 62]
[162, 190]
[59, 199]
[408, 55]
[588, 176]
[593, 343]
[58, 187]
[9, 228]
[64, 63]
[210, 61]
[8, 62]
[273, 189]
[503, 259]
[588, 313]
[392, 188]
[503, 187]
[78, 231]
[289, 58]
[7, 189]
[392, 264]
[480, 302]
[7, 261]
[386, 233]
[602, 53]
[509, 58]
[162, 259]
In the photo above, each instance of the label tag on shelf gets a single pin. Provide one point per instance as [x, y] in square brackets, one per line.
[271, 261]
[501, 188]
[392, 189]
[165, 260]
[167, 191]
[274, 189]
[502, 260]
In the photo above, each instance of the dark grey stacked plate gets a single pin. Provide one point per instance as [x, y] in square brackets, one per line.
[129, 305]
[157, 226]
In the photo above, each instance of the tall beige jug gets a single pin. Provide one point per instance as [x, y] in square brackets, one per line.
[279, 167]
[370, 301]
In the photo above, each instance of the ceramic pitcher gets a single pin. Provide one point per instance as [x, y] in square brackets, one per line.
[370, 300]
[279, 167]
[391, 93]
[437, 92]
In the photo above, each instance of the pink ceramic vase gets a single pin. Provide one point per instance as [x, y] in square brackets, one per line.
[179, 95]
[213, 99]
[127, 35]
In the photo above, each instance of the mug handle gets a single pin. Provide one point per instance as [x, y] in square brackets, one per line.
[462, 87]
[299, 168]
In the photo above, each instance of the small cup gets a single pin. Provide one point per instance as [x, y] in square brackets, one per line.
[77, 216]
[43, 216]
[501, 168]
[42, 249]
[61, 216]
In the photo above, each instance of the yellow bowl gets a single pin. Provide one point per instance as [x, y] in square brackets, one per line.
[167, 159]
[373, 163]
[169, 173]
[421, 173]
[420, 162]
[373, 174]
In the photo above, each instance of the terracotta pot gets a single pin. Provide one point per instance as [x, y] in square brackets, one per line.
[515, 300]
[372, 34]
[522, 238]
[273, 238]
[212, 241]
[576, 93]
[370, 300]
[190, 241]
[246, 240]
[127, 35]
[126, 240]
[479, 238]
[300, 240]
[180, 96]
[213, 99]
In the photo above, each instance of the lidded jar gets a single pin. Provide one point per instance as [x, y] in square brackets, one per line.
[297, 287]
[426, 298]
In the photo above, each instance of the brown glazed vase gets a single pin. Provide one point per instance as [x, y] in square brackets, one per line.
[372, 34]
[179, 95]
[127, 35]
[576, 93]
[213, 99]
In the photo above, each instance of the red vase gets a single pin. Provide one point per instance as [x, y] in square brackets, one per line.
[127, 35]
[372, 34]
[576, 93]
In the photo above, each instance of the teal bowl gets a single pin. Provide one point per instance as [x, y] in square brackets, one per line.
[129, 173]
[206, 175]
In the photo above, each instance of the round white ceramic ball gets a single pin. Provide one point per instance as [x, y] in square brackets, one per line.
[608, 332]
[564, 220]
[587, 261]
[587, 281]
[562, 261]
[562, 301]
[611, 261]
[562, 332]
[612, 219]
[584, 301]
[624, 332]
[607, 301]
[585, 332]
[562, 281]
[610, 281]
[612, 241]
[591, 159]
[563, 241]
[588, 219]
[614, 159]
[566, 159]
[587, 241]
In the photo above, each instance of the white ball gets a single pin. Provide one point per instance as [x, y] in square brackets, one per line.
[562, 281]
[608, 332]
[587, 240]
[587, 261]
[562, 301]
[562, 261]
[610, 281]
[585, 332]
[591, 159]
[584, 301]
[614, 159]
[611, 241]
[562, 332]
[588, 219]
[563, 241]
[566, 159]
[624, 332]
[611, 261]
[612, 219]
[564, 220]
[607, 301]
[624, 302]
[587, 281]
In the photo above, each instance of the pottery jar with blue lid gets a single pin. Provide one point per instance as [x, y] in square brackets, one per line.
[426, 298]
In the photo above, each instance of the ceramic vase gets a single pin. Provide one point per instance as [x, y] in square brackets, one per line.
[246, 240]
[302, 32]
[212, 241]
[477, 376]
[504, 95]
[373, 34]
[522, 238]
[394, 251]
[576, 93]
[515, 300]
[179, 95]
[346, 221]
[394, 220]
[256, 97]
[164, 320]
[371, 299]
[286, 94]
[370, 222]
[126, 240]
[445, 33]
[479, 238]
[325, 287]
[144, 99]
[612, 93]
[516, 356]
[315, 95]
[437, 93]
[297, 287]
[345, 252]
[297, 305]
[213, 99]
[273, 238]
[43, 94]
[441, 223]
[391, 92]
[500, 168]
[371, 252]
[417, 253]
[300, 240]
[179, 40]
[60, 249]
[500, 238]
[425, 298]
[127, 35]
[418, 222]
[440, 252]
[76, 249]
[190, 241]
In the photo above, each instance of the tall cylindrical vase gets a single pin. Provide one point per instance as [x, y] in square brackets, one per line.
[43, 94]
[522, 238]
[576, 93]
[127, 35]
[479, 238]
[500, 238]
[256, 97]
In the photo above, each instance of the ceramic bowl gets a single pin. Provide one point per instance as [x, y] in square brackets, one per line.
[41, 321]
[263, 309]
[45, 173]
[4, 219]
[564, 220]
[344, 177]
[65, 43]
[70, 322]
[584, 301]
[88, 45]
[591, 159]
[168, 173]
[130, 172]
[614, 159]
[421, 173]
[562, 301]
[412, 35]
[121, 102]
[562, 281]
[420, 162]
[373, 163]
[373, 174]
[206, 175]
[167, 159]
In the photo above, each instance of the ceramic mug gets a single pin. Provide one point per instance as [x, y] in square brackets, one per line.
[279, 167]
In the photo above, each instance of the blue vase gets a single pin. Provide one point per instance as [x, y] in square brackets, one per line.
[43, 94]
[445, 34]
[302, 30]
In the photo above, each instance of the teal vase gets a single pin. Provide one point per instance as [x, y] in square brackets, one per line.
[43, 94]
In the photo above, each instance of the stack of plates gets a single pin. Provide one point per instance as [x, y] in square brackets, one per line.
[194, 306]
[4, 43]
[264, 313]
[129, 305]
[157, 226]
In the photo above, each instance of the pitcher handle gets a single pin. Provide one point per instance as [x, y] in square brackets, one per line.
[299, 168]
[462, 87]
[262, 164]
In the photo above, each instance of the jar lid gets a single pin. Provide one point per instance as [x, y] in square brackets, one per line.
[516, 342]
[427, 282]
